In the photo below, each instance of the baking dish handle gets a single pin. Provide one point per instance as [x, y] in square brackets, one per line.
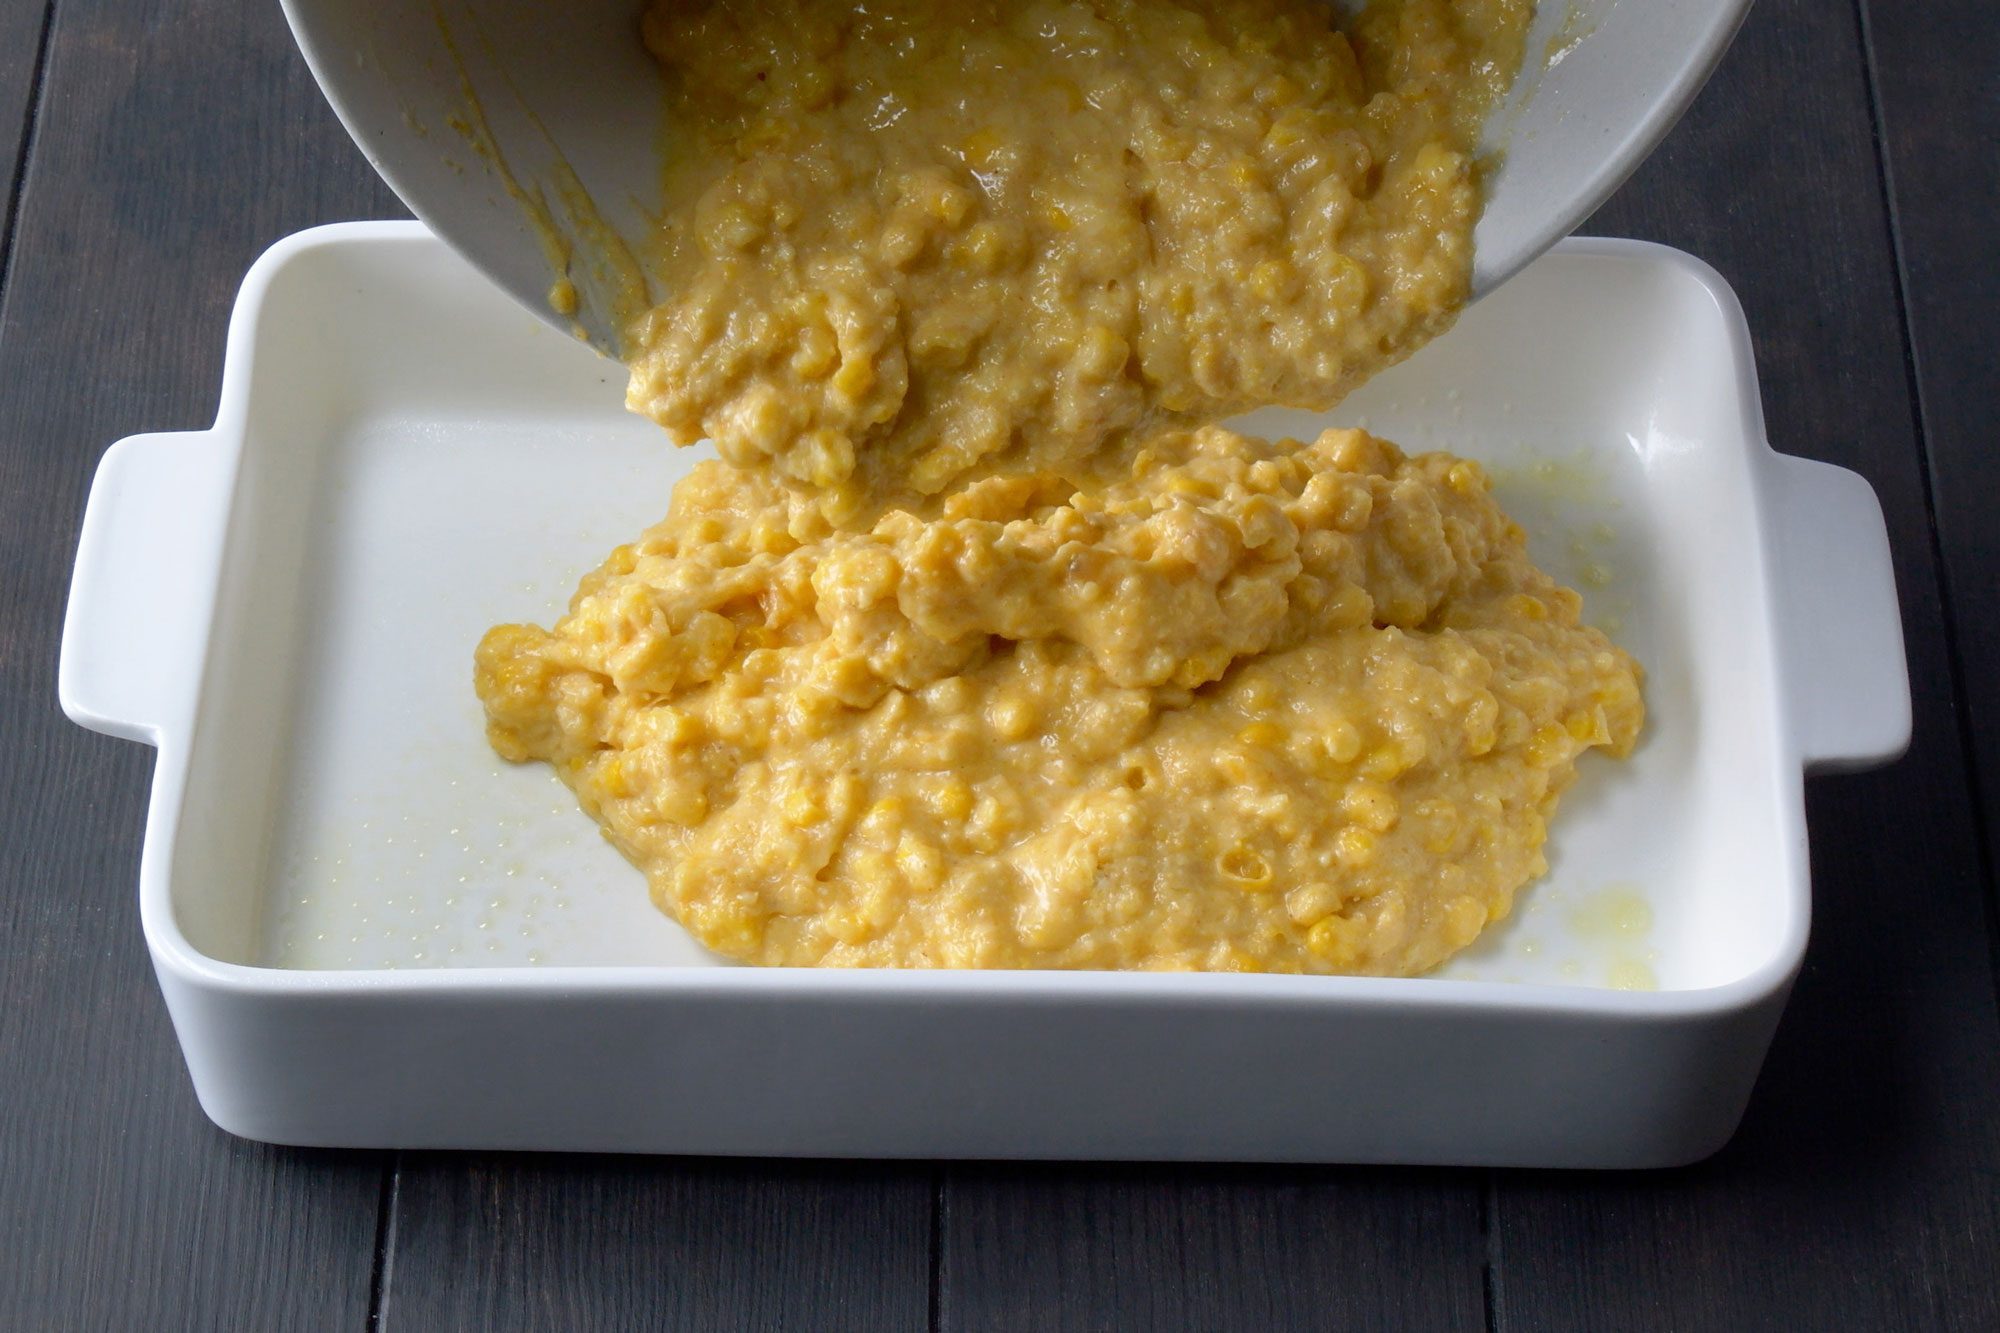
[1842, 635]
[139, 601]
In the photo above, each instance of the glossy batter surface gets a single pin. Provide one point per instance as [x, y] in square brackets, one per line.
[920, 241]
[1299, 708]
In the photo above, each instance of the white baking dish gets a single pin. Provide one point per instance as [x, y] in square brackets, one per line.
[372, 933]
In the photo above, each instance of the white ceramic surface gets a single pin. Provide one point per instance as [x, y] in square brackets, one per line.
[460, 103]
[370, 932]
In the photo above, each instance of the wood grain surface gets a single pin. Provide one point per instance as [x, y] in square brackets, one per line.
[24, 30]
[173, 142]
[1936, 73]
[1062, 1247]
[1860, 1191]
[1840, 171]
[492, 1242]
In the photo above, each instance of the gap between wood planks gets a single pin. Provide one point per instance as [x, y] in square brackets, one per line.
[1885, 175]
[30, 114]
[382, 1272]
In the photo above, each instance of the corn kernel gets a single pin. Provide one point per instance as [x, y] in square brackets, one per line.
[1355, 846]
[1482, 725]
[853, 379]
[950, 205]
[1012, 718]
[826, 458]
[1312, 903]
[1338, 941]
[993, 818]
[817, 354]
[732, 228]
[848, 927]
[982, 146]
[843, 795]
[901, 242]
[876, 870]
[1588, 728]
[1464, 918]
[1549, 746]
[984, 247]
[954, 800]
[1101, 353]
[1290, 128]
[1229, 959]
[921, 863]
[1342, 741]
[802, 808]
[676, 727]
[682, 804]
[1277, 91]
[886, 809]
[1261, 734]
[1388, 761]
[1372, 806]
[1270, 280]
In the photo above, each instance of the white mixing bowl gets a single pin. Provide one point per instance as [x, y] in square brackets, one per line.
[477, 112]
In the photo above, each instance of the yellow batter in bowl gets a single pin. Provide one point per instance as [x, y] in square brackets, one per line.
[925, 240]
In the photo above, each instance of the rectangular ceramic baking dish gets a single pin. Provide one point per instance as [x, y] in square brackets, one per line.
[370, 932]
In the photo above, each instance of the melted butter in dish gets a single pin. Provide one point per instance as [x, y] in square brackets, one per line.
[1262, 706]
[918, 242]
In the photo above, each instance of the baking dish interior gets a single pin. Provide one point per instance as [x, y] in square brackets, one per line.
[421, 459]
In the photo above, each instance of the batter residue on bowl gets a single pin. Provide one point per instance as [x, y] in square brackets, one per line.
[979, 649]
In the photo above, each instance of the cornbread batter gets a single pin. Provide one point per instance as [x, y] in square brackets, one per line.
[978, 649]
[1270, 706]
[923, 241]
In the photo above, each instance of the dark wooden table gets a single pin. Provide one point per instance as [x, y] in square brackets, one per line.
[1842, 170]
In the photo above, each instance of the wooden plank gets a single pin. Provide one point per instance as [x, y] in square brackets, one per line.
[23, 26]
[1934, 71]
[174, 147]
[174, 141]
[1860, 1192]
[1158, 1247]
[492, 1243]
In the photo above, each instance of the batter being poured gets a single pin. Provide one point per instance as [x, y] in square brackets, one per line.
[980, 648]
[926, 240]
